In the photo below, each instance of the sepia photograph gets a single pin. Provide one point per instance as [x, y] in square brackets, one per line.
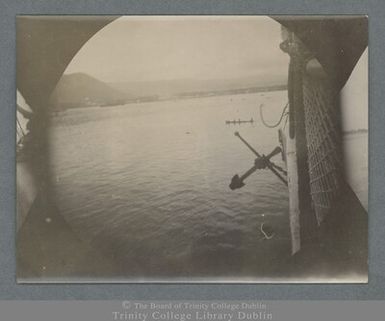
[192, 149]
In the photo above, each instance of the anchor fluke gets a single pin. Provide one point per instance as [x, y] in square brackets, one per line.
[236, 182]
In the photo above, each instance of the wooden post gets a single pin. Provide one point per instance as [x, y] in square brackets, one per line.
[294, 209]
[302, 219]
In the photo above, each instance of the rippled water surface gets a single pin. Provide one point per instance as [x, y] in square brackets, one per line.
[148, 184]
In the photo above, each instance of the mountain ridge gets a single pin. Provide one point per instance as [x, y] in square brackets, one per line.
[82, 90]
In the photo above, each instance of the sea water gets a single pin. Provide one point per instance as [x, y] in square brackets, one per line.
[147, 184]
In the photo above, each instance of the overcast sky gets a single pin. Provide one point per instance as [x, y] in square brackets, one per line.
[157, 48]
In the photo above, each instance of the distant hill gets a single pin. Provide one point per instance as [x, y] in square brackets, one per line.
[81, 90]
[170, 88]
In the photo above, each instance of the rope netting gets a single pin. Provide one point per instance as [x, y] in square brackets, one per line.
[322, 120]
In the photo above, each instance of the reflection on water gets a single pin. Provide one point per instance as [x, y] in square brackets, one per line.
[148, 184]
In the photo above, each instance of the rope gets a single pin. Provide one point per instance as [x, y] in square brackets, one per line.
[280, 119]
[267, 237]
[286, 119]
[21, 128]
[284, 113]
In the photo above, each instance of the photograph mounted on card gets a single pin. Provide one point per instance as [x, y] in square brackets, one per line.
[192, 149]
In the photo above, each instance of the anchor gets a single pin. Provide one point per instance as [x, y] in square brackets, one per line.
[261, 162]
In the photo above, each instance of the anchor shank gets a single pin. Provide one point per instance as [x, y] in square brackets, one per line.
[248, 173]
[276, 173]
